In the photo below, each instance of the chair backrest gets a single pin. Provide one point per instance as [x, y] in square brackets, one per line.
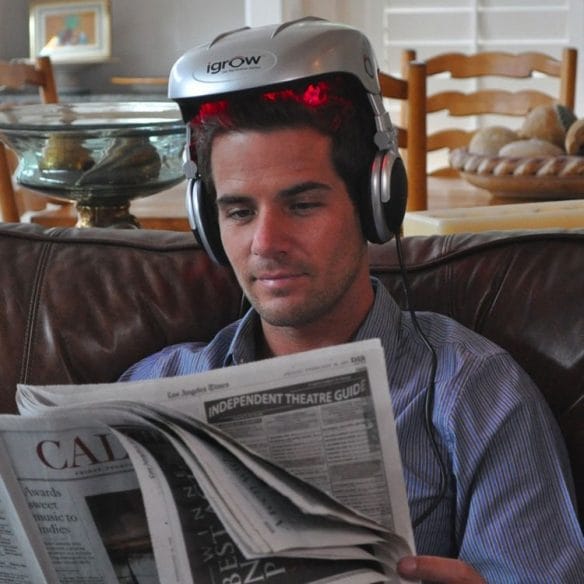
[524, 95]
[412, 129]
[17, 75]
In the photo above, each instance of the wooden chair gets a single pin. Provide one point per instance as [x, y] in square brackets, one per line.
[412, 129]
[525, 95]
[150, 82]
[18, 75]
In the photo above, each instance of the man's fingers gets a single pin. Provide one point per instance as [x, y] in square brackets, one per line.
[435, 569]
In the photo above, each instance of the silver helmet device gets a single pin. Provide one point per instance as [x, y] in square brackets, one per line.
[249, 58]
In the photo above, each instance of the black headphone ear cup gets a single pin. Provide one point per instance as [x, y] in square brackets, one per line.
[386, 205]
[203, 221]
[395, 207]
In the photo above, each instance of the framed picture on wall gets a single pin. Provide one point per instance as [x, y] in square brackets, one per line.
[71, 31]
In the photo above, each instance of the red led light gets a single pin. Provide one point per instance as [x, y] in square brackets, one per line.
[314, 95]
[210, 108]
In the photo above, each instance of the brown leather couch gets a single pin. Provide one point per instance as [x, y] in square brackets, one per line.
[82, 305]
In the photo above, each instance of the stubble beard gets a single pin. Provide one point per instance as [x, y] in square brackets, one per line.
[306, 311]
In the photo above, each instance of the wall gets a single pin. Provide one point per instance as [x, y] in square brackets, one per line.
[147, 36]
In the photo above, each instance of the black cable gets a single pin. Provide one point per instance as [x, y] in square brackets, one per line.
[430, 391]
[244, 305]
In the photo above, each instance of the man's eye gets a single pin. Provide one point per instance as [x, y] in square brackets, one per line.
[305, 206]
[238, 214]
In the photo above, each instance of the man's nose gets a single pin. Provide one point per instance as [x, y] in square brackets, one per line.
[272, 234]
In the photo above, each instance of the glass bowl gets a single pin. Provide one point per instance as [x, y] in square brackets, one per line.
[96, 154]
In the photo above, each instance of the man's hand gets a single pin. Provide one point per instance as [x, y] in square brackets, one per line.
[435, 569]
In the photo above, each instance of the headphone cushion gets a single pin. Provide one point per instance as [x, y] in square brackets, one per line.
[203, 221]
[383, 210]
[395, 208]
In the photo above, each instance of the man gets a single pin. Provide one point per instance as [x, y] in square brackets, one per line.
[293, 166]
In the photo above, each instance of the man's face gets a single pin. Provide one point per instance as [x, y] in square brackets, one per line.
[289, 228]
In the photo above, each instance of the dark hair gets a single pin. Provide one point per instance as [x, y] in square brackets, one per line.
[334, 105]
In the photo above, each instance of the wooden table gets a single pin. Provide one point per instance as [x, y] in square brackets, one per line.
[456, 193]
[166, 210]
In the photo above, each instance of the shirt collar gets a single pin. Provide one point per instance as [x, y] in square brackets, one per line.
[243, 345]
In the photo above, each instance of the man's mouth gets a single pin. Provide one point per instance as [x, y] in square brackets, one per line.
[277, 279]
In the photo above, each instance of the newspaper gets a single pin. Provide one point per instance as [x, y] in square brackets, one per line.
[283, 471]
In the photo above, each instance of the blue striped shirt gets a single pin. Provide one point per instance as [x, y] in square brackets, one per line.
[509, 508]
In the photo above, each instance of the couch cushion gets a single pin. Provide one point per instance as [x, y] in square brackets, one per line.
[80, 305]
